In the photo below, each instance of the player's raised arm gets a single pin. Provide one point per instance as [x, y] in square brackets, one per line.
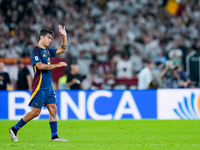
[63, 47]
[42, 66]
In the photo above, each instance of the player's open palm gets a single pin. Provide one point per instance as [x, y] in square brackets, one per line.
[61, 64]
[62, 30]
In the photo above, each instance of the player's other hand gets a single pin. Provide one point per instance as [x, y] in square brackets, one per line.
[62, 30]
[61, 64]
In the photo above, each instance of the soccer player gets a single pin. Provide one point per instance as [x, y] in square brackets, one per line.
[42, 85]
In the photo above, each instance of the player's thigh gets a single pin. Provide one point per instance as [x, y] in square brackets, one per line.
[36, 111]
[51, 107]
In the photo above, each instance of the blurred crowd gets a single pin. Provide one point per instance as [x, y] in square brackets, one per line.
[109, 39]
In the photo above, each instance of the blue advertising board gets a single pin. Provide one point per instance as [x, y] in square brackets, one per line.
[97, 104]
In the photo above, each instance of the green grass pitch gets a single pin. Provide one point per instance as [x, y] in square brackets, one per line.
[105, 135]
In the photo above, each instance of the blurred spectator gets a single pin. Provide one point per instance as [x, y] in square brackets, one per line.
[62, 82]
[92, 25]
[160, 58]
[124, 67]
[193, 65]
[89, 46]
[184, 79]
[2, 49]
[84, 64]
[151, 46]
[14, 51]
[100, 53]
[4, 78]
[93, 79]
[74, 80]
[63, 79]
[145, 76]
[136, 59]
[158, 75]
[114, 56]
[175, 55]
[74, 51]
[170, 75]
[24, 77]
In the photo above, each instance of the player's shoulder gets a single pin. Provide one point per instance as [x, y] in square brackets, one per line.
[50, 49]
[35, 50]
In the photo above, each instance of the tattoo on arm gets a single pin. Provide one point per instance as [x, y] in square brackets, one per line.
[64, 46]
[49, 66]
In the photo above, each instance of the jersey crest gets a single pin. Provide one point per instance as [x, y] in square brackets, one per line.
[36, 58]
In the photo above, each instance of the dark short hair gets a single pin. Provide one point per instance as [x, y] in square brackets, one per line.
[44, 32]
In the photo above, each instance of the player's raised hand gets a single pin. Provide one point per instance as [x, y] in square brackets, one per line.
[61, 64]
[62, 30]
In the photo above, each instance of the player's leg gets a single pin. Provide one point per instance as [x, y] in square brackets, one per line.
[53, 122]
[32, 114]
[51, 105]
[27, 117]
[36, 103]
[53, 119]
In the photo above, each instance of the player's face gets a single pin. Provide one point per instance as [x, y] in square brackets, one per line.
[46, 40]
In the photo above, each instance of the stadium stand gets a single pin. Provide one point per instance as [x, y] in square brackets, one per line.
[145, 30]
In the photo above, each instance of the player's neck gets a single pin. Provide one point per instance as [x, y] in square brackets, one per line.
[41, 45]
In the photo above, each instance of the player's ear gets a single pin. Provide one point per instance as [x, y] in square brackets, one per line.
[41, 37]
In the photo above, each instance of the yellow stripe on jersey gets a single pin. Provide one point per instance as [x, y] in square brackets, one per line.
[38, 86]
[35, 68]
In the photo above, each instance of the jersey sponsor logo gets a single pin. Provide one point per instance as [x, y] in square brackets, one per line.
[36, 58]
[189, 108]
[44, 55]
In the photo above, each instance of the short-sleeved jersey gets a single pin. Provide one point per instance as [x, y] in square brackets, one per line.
[43, 78]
